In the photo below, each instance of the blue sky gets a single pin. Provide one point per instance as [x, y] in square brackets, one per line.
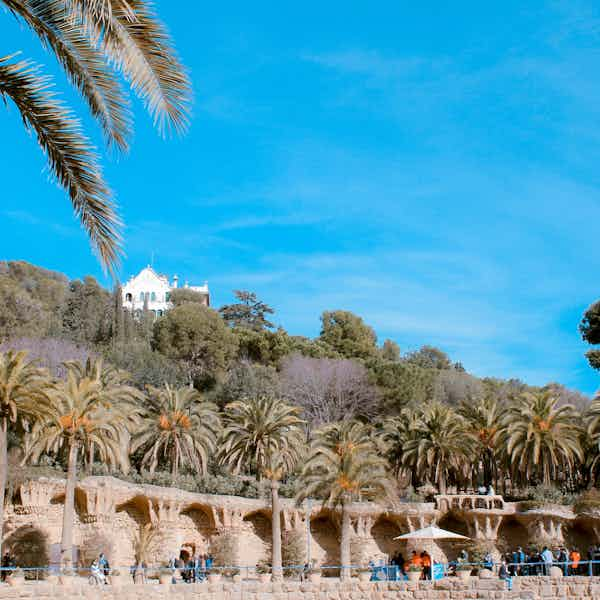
[434, 167]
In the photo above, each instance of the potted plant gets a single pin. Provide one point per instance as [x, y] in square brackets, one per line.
[165, 576]
[263, 570]
[16, 578]
[463, 571]
[66, 577]
[364, 574]
[414, 572]
[214, 575]
[314, 574]
[117, 578]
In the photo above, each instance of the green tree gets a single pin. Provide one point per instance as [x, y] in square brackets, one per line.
[395, 434]
[247, 380]
[440, 447]
[542, 438]
[22, 388]
[87, 311]
[249, 312]
[93, 42]
[348, 334]
[390, 351]
[198, 336]
[343, 466]
[177, 427]
[429, 357]
[268, 434]
[590, 331]
[180, 296]
[80, 411]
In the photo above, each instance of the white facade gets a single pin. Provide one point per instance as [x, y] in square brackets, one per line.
[155, 290]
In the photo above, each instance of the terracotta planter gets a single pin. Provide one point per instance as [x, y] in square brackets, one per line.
[364, 576]
[165, 578]
[464, 575]
[66, 580]
[314, 577]
[16, 580]
[264, 577]
[214, 577]
[414, 575]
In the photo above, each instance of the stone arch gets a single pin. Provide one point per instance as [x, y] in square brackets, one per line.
[196, 526]
[29, 546]
[455, 522]
[325, 540]
[383, 532]
[129, 517]
[256, 537]
[512, 534]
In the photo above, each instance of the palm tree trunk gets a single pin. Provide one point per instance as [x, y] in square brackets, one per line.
[3, 474]
[66, 542]
[276, 530]
[90, 458]
[345, 541]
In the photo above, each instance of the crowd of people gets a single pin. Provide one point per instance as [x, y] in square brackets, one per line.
[539, 562]
[193, 569]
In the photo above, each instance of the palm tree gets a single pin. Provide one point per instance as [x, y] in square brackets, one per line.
[268, 434]
[484, 421]
[343, 466]
[541, 437]
[94, 41]
[79, 411]
[115, 385]
[177, 426]
[395, 434]
[22, 386]
[439, 446]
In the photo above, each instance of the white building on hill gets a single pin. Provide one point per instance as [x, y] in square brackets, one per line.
[150, 290]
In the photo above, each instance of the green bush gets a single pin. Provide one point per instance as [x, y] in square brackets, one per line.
[588, 502]
[224, 548]
[543, 495]
[293, 552]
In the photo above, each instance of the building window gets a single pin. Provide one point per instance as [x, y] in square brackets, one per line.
[159, 313]
[128, 297]
[147, 296]
[167, 296]
[141, 296]
[153, 297]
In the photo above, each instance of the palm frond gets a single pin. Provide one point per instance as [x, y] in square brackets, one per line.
[71, 156]
[83, 62]
[137, 44]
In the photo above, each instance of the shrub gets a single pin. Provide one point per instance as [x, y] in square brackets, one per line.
[29, 547]
[588, 502]
[224, 548]
[544, 495]
[293, 552]
[410, 495]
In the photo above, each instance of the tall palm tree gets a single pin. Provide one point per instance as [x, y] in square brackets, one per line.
[178, 427]
[484, 422]
[22, 387]
[79, 411]
[542, 438]
[94, 41]
[440, 445]
[115, 385]
[268, 434]
[395, 434]
[343, 465]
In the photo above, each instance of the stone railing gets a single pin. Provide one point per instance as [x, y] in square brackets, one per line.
[524, 588]
[447, 502]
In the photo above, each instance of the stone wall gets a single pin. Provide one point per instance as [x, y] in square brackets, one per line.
[524, 588]
[110, 509]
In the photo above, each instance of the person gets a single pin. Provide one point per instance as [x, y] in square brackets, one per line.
[520, 559]
[504, 575]
[574, 558]
[426, 562]
[6, 560]
[563, 560]
[463, 556]
[481, 490]
[490, 491]
[547, 558]
[97, 572]
[488, 561]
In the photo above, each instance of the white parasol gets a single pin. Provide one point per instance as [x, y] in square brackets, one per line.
[431, 533]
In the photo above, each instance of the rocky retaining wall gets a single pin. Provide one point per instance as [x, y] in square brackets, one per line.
[524, 588]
